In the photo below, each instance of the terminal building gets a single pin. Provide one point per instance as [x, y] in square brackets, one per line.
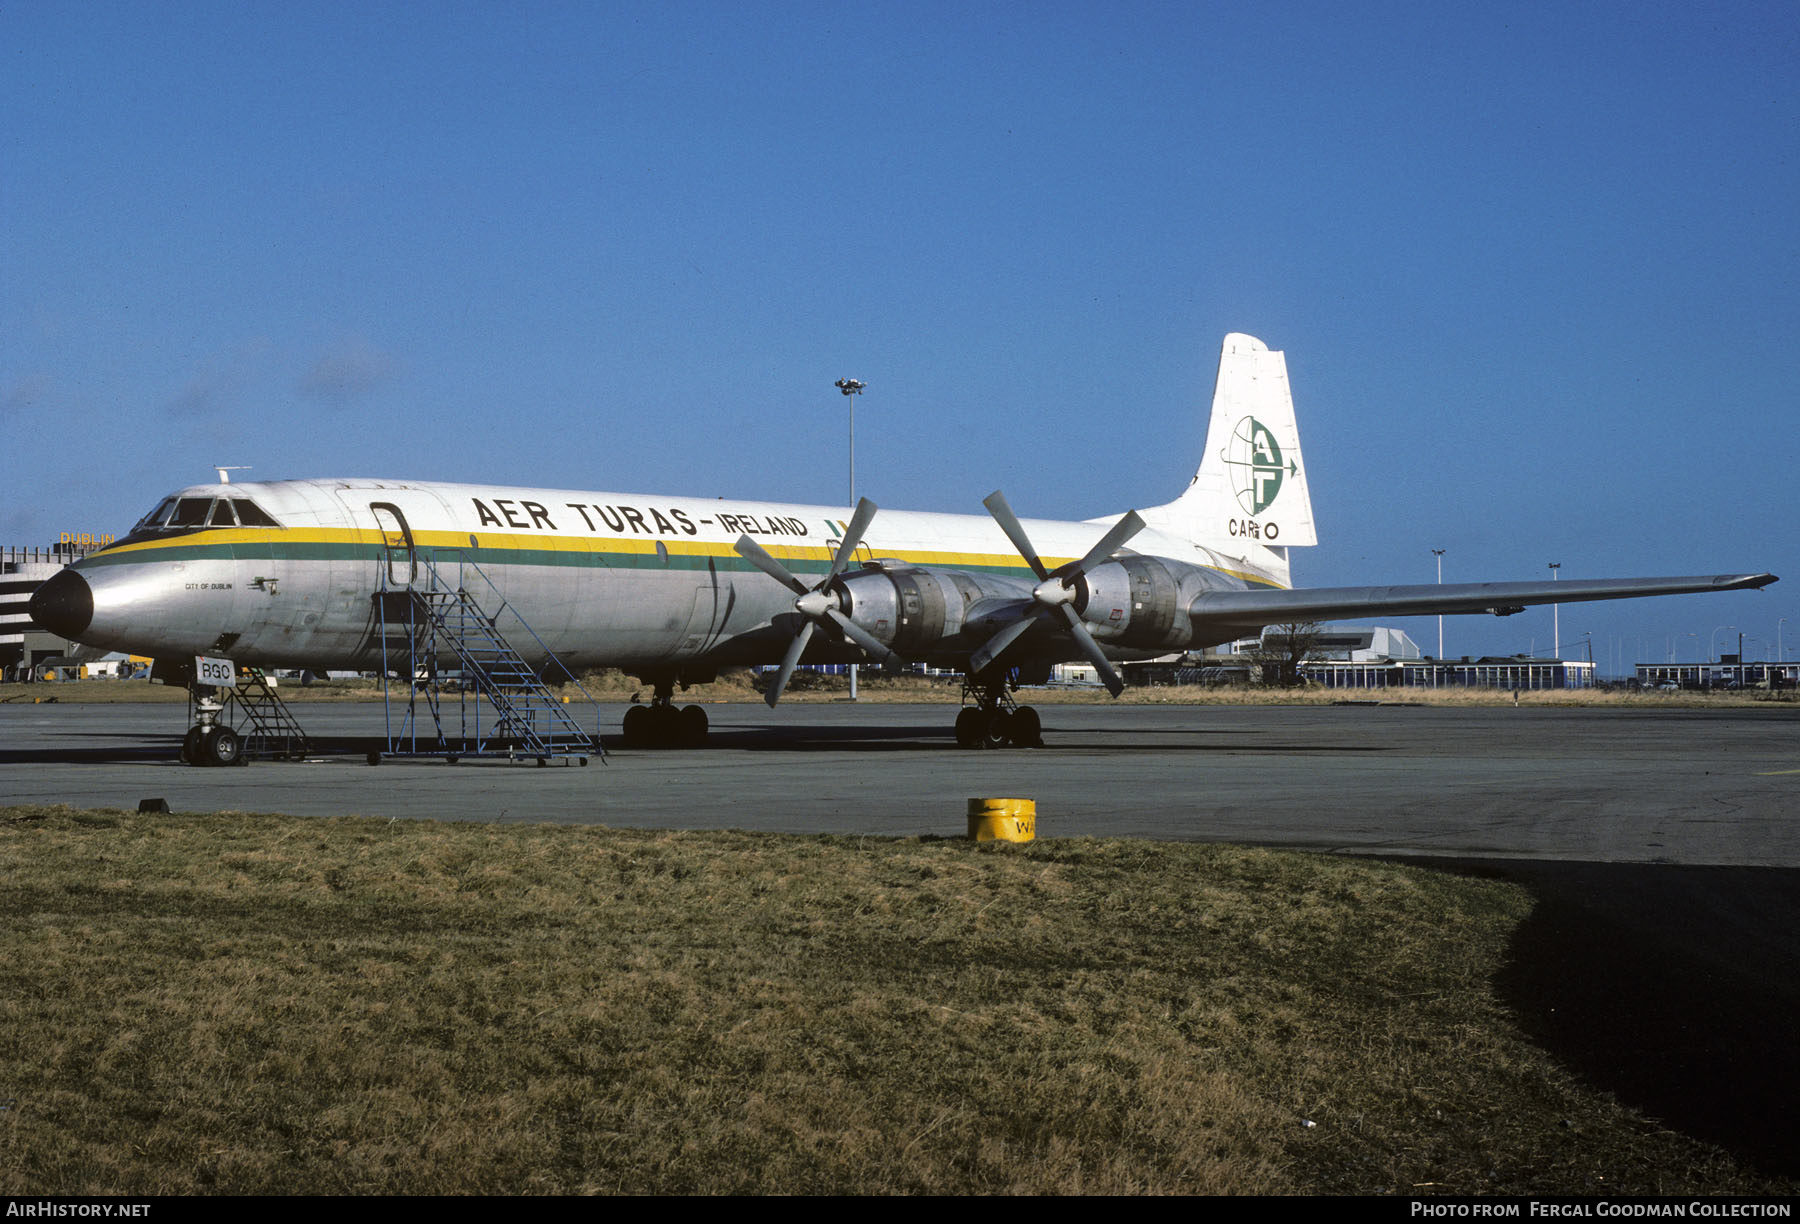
[1365, 657]
[1730, 672]
[25, 650]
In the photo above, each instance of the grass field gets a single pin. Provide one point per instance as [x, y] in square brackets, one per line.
[615, 686]
[260, 1004]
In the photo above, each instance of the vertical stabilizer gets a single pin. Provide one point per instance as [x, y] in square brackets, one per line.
[1249, 497]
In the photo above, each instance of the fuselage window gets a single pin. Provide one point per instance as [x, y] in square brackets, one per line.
[222, 514]
[252, 515]
[190, 512]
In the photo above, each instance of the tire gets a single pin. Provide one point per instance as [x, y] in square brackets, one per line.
[665, 726]
[997, 732]
[968, 727]
[1027, 728]
[636, 727]
[190, 745]
[221, 746]
[693, 727]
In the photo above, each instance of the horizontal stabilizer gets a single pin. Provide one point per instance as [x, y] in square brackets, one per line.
[1273, 607]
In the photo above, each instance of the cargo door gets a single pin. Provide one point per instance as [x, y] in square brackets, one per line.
[397, 549]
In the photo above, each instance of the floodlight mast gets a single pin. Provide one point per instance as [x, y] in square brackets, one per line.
[852, 387]
[1439, 554]
[1556, 613]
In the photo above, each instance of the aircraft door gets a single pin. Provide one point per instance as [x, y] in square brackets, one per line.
[713, 603]
[397, 544]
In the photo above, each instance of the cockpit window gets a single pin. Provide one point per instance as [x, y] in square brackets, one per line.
[156, 517]
[252, 515]
[190, 512]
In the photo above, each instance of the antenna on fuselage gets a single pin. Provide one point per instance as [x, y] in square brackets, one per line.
[225, 472]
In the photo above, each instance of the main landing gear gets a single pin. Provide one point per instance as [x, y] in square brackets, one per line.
[662, 724]
[996, 720]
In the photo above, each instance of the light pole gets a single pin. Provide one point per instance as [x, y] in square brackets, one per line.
[1439, 554]
[1555, 616]
[1715, 639]
[851, 388]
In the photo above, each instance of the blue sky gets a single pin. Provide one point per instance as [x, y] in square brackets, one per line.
[1533, 266]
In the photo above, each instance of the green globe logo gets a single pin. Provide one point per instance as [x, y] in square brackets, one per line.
[1257, 466]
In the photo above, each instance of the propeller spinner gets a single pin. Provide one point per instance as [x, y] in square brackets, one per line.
[1055, 593]
[819, 604]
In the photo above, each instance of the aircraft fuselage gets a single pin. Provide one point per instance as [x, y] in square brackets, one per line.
[604, 579]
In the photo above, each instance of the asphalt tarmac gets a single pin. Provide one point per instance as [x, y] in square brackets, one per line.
[1660, 963]
[1621, 784]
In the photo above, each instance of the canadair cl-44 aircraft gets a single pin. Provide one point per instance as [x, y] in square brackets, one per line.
[671, 589]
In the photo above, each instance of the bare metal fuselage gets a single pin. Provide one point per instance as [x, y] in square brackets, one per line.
[620, 580]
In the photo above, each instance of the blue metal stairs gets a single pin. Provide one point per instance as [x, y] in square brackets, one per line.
[438, 640]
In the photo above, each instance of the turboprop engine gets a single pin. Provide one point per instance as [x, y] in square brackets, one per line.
[926, 614]
[1138, 601]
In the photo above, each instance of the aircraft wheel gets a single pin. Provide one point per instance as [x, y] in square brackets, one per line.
[190, 745]
[693, 727]
[221, 746]
[998, 730]
[636, 725]
[968, 727]
[665, 726]
[1027, 728]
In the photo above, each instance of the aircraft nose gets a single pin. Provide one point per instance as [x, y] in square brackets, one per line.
[64, 605]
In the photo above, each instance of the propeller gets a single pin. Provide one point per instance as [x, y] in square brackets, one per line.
[819, 604]
[1056, 591]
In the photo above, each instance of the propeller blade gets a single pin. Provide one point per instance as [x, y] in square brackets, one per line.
[1091, 649]
[853, 534]
[1109, 544]
[1015, 531]
[992, 648]
[756, 555]
[788, 662]
[816, 603]
[871, 644]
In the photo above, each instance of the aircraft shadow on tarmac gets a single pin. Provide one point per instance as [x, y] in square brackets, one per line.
[99, 754]
[938, 738]
[1674, 988]
[873, 739]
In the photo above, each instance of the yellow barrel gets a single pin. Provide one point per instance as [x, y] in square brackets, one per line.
[1013, 820]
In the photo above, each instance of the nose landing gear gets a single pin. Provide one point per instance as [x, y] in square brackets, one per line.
[210, 741]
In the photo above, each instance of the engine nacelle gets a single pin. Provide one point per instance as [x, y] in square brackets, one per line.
[919, 612]
[1137, 601]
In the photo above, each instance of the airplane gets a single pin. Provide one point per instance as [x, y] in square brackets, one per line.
[671, 589]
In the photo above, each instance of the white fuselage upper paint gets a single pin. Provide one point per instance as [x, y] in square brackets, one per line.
[604, 579]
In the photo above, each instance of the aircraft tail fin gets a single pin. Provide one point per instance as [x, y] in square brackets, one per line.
[1249, 497]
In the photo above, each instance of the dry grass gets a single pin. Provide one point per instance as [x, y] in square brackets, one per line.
[873, 688]
[257, 1004]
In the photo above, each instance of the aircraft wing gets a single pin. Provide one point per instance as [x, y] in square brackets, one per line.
[1272, 607]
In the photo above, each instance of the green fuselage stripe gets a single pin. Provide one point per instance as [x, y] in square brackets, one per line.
[486, 556]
